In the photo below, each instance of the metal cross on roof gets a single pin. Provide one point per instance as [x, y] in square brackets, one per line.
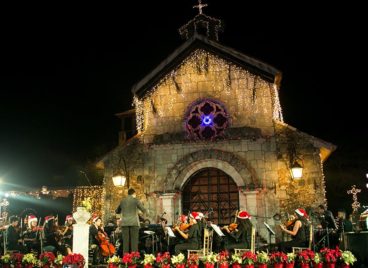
[354, 191]
[200, 6]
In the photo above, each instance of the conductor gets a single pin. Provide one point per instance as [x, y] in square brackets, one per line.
[128, 208]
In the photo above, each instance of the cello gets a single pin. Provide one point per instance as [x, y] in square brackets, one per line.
[107, 249]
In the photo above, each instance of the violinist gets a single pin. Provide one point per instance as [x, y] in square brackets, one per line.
[67, 233]
[192, 238]
[239, 234]
[298, 232]
[13, 236]
[31, 235]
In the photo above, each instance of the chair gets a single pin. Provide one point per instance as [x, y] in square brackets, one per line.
[298, 249]
[252, 243]
[207, 245]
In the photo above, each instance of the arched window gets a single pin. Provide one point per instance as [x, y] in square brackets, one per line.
[211, 189]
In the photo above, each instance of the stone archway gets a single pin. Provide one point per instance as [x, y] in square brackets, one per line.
[239, 169]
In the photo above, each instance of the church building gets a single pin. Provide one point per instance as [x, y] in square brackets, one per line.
[211, 138]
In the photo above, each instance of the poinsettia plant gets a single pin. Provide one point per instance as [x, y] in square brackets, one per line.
[163, 258]
[47, 258]
[306, 256]
[74, 259]
[347, 257]
[193, 259]
[236, 259]
[6, 259]
[29, 258]
[178, 259]
[330, 255]
[131, 258]
[249, 257]
[210, 258]
[278, 257]
[290, 257]
[149, 259]
[263, 257]
[114, 260]
[16, 258]
[223, 257]
[317, 258]
[59, 260]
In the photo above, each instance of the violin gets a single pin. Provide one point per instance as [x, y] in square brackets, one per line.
[233, 227]
[107, 249]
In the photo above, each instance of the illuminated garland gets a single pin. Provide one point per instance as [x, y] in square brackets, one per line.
[197, 65]
[323, 182]
[354, 191]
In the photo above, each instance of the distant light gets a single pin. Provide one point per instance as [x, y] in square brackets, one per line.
[44, 190]
[6, 195]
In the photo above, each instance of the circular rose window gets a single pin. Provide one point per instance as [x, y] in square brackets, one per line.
[206, 119]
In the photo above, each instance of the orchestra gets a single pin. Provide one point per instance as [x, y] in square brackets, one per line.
[38, 237]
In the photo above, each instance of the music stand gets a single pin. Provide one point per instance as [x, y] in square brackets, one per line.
[270, 231]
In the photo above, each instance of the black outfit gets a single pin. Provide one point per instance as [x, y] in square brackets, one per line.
[12, 236]
[94, 244]
[299, 240]
[31, 240]
[241, 237]
[192, 241]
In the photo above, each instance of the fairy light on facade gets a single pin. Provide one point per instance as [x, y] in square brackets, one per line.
[227, 78]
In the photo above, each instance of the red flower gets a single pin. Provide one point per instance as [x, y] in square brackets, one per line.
[330, 255]
[223, 257]
[163, 258]
[47, 258]
[193, 259]
[16, 258]
[131, 258]
[306, 256]
[278, 257]
[249, 257]
[75, 258]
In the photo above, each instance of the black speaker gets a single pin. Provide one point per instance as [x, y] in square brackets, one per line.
[357, 243]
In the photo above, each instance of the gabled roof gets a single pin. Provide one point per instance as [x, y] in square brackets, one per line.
[254, 66]
[325, 148]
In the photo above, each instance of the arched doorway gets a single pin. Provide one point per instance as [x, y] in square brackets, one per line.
[211, 189]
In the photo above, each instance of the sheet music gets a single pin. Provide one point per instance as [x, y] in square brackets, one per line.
[217, 230]
[149, 232]
[269, 228]
[170, 232]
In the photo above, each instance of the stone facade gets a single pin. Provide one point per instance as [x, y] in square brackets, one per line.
[254, 150]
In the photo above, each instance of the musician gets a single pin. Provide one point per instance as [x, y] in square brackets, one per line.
[67, 233]
[100, 238]
[12, 235]
[31, 235]
[298, 232]
[326, 217]
[94, 243]
[192, 237]
[239, 237]
[344, 224]
[128, 208]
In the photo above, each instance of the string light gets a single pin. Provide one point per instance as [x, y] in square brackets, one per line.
[354, 191]
[225, 78]
[95, 193]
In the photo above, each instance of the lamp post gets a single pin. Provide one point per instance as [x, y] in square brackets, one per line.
[119, 178]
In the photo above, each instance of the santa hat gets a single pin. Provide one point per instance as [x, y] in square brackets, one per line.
[32, 218]
[200, 216]
[244, 215]
[301, 212]
[49, 218]
[194, 215]
[68, 217]
[94, 219]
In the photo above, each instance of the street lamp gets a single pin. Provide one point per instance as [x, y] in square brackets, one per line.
[119, 178]
[296, 170]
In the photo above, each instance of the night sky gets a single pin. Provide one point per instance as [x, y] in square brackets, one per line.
[66, 70]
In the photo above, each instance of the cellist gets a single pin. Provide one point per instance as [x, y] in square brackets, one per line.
[240, 234]
[99, 237]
